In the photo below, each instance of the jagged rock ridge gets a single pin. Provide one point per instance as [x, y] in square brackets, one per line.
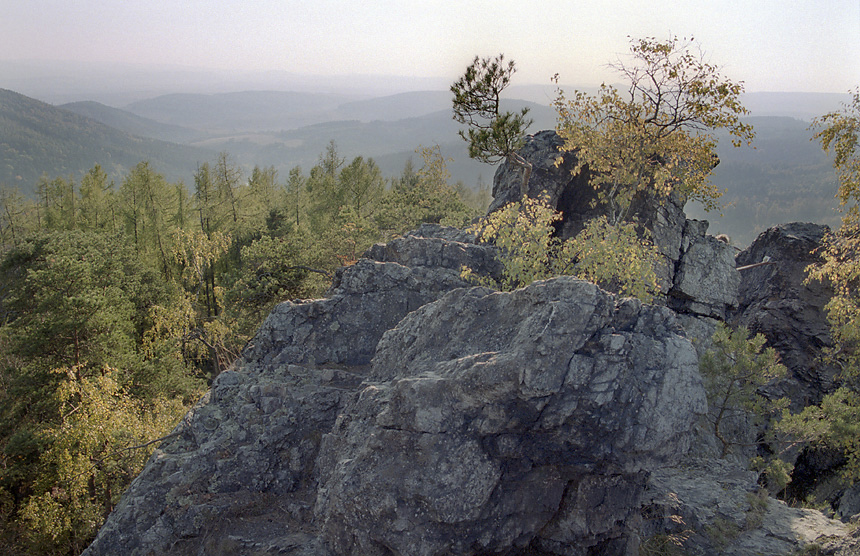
[408, 413]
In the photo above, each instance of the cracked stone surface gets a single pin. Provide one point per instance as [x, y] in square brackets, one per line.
[484, 422]
[408, 413]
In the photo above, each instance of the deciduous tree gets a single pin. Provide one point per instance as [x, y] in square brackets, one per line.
[424, 196]
[612, 256]
[98, 445]
[657, 135]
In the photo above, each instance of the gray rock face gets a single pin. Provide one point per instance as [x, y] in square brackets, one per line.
[705, 281]
[775, 301]
[498, 420]
[367, 299]
[695, 271]
[542, 150]
[486, 422]
[238, 477]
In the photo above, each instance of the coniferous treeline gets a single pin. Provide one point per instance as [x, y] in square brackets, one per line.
[119, 303]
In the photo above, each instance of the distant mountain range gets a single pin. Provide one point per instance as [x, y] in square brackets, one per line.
[283, 129]
[786, 177]
[240, 112]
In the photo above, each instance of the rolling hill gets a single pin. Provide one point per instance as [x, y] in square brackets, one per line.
[786, 177]
[134, 124]
[37, 138]
[240, 111]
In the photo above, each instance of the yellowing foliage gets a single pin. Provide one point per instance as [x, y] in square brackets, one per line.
[611, 256]
[102, 440]
[615, 258]
[657, 136]
[841, 250]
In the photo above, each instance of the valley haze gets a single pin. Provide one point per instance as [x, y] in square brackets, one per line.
[285, 119]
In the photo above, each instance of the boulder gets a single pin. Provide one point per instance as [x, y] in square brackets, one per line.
[543, 150]
[705, 280]
[499, 421]
[711, 507]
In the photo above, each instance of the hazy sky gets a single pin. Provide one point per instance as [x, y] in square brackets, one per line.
[771, 45]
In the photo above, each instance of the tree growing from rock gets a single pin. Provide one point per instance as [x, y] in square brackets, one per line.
[655, 139]
[657, 136]
[612, 257]
[492, 135]
[733, 369]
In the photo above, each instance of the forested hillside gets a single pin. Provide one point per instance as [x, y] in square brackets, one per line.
[783, 177]
[120, 302]
[134, 124]
[37, 138]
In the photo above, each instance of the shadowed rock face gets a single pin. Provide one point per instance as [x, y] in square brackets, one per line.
[485, 423]
[774, 300]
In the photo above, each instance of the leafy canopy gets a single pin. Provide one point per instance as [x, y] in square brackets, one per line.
[657, 136]
[838, 133]
[100, 443]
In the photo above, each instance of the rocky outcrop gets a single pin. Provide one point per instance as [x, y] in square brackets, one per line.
[484, 423]
[695, 271]
[717, 507]
[705, 280]
[499, 420]
[776, 301]
[367, 299]
[551, 176]
[409, 413]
